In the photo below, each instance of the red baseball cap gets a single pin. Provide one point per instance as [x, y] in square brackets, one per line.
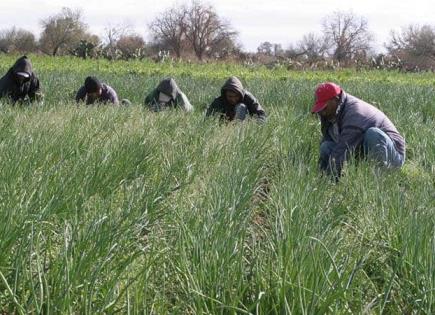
[325, 92]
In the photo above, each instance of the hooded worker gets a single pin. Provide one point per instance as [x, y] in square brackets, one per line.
[235, 103]
[167, 95]
[20, 83]
[94, 91]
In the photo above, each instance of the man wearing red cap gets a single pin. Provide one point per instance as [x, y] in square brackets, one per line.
[349, 124]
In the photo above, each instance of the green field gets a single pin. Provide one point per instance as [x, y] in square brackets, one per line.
[120, 210]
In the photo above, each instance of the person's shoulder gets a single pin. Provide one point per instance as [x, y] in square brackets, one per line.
[218, 101]
[107, 87]
[217, 106]
[153, 93]
[352, 104]
[81, 89]
[357, 105]
[5, 77]
[249, 98]
[81, 93]
[248, 94]
[355, 102]
[357, 111]
[34, 75]
[151, 96]
[35, 80]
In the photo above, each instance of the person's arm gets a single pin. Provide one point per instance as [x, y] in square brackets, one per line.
[151, 101]
[2, 88]
[35, 93]
[113, 97]
[5, 83]
[184, 102]
[324, 126]
[214, 107]
[254, 107]
[350, 137]
[81, 95]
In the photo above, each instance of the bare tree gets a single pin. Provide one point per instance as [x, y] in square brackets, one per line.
[169, 29]
[62, 31]
[414, 40]
[413, 47]
[265, 48]
[17, 40]
[278, 51]
[347, 34]
[206, 29]
[112, 34]
[293, 52]
[131, 46]
[270, 49]
[224, 49]
[313, 47]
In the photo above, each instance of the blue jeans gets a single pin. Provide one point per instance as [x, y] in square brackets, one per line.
[376, 145]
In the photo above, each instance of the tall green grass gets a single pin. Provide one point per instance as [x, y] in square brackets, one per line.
[119, 210]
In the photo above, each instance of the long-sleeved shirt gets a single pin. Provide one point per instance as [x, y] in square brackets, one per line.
[108, 95]
[353, 119]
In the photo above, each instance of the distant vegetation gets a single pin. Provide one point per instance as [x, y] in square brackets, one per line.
[196, 32]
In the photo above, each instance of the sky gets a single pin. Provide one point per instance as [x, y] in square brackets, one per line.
[277, 21]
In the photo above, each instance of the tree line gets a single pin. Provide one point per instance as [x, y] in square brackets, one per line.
[196, 31]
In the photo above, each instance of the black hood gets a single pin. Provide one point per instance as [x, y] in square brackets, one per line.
[23, 64]
[235, 85]
[169, 87]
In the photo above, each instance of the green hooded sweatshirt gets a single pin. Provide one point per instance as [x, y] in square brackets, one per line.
[176, 97]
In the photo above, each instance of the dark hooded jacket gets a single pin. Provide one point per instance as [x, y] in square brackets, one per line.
[108, 95]
[354, 117]
[226, 111]
[170, 88]
[29, 88]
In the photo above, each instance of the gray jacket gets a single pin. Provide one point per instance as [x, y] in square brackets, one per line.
[353, 119]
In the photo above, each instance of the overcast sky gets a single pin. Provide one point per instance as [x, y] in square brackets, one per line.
[277, 21]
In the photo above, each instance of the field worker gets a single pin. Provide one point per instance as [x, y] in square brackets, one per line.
[95, 91]
[20, 83]
[235, 103]
[349, 124]
[167, 95]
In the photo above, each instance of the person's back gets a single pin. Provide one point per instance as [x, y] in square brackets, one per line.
[167, 95]
[20, 83]
[360, 114]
